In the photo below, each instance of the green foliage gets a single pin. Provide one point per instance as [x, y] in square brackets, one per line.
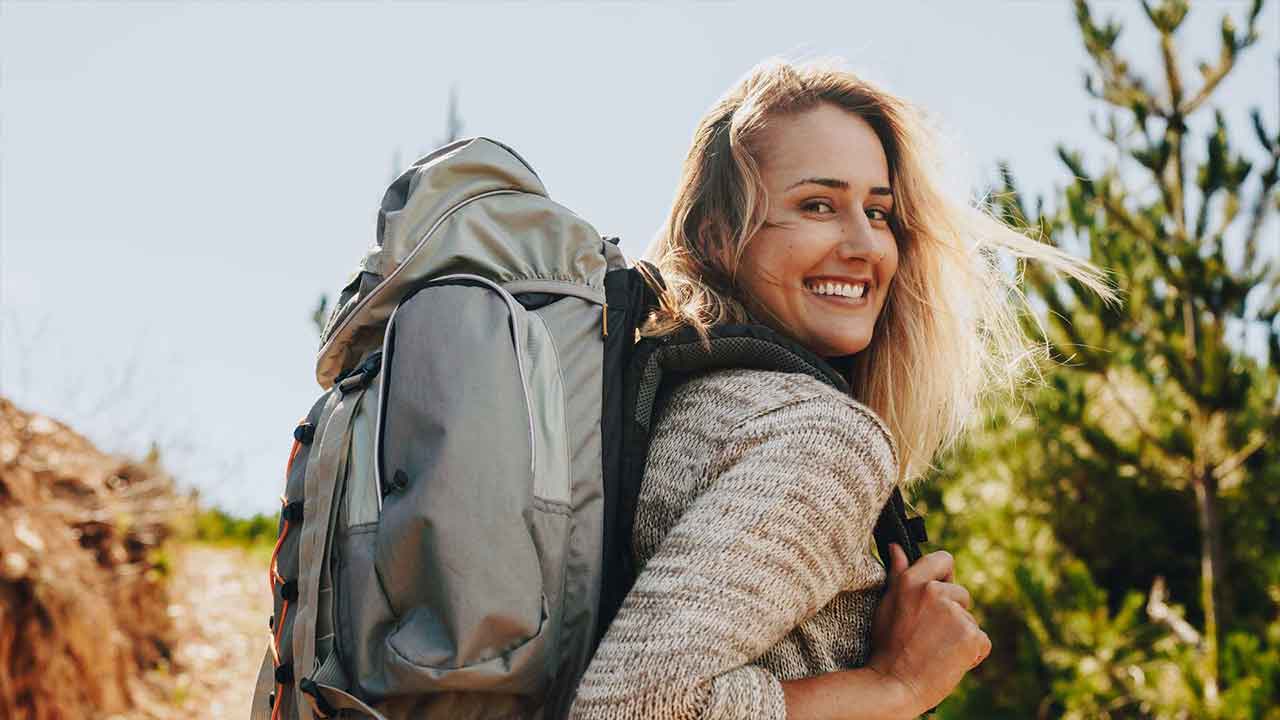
[160, 560]
[216, 526]
[320, 316]
[1119, 530]
[1067, 642]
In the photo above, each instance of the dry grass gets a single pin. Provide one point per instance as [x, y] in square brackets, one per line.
[84, 617]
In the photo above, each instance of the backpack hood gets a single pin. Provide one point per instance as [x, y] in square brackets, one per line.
[475, 207]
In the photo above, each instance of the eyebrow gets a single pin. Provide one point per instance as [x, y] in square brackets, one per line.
[838, 185]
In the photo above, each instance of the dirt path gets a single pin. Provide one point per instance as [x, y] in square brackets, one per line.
[220, 608]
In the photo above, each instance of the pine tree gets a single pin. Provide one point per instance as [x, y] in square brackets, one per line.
[1146, 472]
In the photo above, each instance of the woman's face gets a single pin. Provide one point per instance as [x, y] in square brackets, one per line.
[819, 270]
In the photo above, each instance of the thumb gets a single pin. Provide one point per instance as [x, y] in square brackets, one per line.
[897, 561]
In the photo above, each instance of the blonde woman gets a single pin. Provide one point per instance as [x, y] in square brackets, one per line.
[809, 203]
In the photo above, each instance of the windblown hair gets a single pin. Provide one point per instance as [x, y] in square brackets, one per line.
[949, 331]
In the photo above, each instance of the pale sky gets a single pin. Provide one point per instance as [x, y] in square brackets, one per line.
[179, 182]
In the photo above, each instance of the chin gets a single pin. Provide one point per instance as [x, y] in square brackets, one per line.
[841, 347]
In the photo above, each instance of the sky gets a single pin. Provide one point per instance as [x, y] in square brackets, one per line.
[180, 182]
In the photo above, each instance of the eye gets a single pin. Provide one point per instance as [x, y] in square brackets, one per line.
[820, 207]
[878, 214]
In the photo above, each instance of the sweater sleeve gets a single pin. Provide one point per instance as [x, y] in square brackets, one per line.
[783, 524]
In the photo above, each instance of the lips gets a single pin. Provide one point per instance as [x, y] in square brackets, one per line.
[846, 288]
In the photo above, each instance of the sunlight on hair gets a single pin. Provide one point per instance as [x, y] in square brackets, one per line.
[949, 337]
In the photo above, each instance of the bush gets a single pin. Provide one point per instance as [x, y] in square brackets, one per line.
[215, 526]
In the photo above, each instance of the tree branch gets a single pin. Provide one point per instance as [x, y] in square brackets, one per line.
[1259, 208]
[1211, 80]
[1171, 72]
[1159, 611]
[1231, 47]
[1228, 466]
[1114, 208]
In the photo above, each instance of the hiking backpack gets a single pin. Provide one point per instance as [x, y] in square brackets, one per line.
[455, 528]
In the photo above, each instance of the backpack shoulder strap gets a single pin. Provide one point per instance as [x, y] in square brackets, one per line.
[659, 365]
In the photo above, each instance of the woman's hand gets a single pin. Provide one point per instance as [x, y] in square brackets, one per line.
[922, 635]
[923, 638]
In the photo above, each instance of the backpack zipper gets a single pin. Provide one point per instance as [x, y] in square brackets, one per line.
[386, 282]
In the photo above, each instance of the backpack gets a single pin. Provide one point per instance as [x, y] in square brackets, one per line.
[455, 528]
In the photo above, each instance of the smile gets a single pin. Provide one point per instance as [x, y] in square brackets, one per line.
[837, 290]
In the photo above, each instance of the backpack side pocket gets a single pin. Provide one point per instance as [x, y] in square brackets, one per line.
[464, 546]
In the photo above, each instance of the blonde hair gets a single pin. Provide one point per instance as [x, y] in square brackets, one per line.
[949, 331]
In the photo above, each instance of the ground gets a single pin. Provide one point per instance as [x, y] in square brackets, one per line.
[220, 607]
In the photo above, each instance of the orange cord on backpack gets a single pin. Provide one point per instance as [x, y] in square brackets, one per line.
[274, 578]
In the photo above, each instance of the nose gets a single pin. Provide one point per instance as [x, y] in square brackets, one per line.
[859, 242]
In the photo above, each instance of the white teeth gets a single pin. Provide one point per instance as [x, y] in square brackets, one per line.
[852, 291]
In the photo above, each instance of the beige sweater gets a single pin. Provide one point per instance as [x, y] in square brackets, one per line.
[753, 540]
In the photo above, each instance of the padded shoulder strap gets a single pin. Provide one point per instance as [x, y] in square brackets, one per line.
[731, 346]
[660, 364]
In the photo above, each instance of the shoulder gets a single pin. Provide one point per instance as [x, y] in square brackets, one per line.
[790, 406]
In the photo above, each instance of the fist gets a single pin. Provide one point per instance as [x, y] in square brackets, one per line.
[923, 636]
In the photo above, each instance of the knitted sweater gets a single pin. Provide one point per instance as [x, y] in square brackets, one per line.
[753, 540]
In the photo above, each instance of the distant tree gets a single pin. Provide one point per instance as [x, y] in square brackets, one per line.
[1150, 459]
[453, 131]
[453, 121]
[320, 315]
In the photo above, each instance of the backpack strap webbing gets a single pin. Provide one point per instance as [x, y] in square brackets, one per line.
[657, 367]
[323, 487]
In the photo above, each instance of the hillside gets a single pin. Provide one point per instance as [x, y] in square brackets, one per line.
[105, 610]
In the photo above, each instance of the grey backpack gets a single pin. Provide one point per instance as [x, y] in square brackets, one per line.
[455, 527]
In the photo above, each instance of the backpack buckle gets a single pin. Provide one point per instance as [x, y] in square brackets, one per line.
[359, 377]
[916, 531]
[321, 706]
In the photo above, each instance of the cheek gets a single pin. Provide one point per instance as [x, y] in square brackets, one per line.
[755, 274]
[764, 263]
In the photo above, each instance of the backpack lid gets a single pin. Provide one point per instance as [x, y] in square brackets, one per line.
[427, 228]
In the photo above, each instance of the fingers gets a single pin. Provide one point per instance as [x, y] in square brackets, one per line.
[934, 566]
[984, 649]
[951, 591]
[897, 561]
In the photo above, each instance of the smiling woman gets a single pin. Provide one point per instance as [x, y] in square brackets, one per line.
[808, 203]
[820, 267]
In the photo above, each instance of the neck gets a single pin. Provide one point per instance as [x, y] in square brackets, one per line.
[843, 364]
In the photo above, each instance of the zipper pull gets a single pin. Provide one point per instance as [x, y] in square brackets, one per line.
[604, 318]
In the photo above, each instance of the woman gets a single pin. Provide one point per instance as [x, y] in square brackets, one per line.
[809, 203]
